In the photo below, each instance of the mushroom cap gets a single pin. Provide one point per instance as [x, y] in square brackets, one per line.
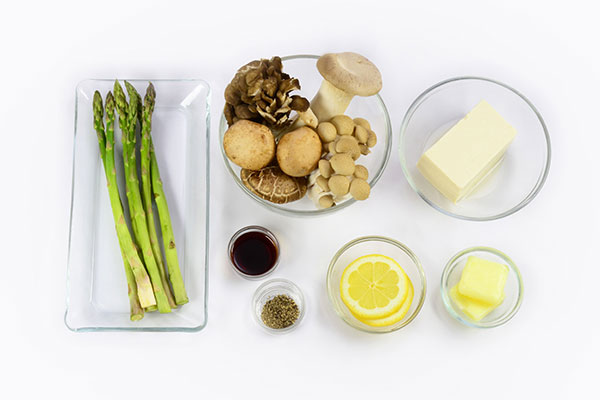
[249, 145]
[350, 72]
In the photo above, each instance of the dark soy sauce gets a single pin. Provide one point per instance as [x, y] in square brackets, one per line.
[254, 253]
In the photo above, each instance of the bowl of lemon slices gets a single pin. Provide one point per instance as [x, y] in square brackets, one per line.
[376, 284]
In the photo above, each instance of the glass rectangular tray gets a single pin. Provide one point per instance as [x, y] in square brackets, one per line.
[96, 285]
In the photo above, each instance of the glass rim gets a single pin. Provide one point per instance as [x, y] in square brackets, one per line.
[541, 178]
[253, 228]
[283, 282]
[449, 268]
[423, 279]
[280, 208]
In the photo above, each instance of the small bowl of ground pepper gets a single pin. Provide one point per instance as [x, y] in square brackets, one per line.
[278, 306]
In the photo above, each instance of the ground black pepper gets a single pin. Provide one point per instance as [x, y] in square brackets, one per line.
[280, 312]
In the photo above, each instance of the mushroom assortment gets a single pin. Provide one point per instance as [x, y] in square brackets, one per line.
[284, 155]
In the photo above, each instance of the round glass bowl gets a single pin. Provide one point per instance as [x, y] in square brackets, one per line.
[264, 239]
[513, 291]
[269, 290]
[371, 108]
[515, 181]
[376, 245]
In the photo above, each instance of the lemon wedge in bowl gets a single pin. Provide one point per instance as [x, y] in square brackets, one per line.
[374, 287]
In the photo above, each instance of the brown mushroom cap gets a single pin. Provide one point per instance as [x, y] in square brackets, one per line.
[299, 151]
[249, 144]
[350, 72]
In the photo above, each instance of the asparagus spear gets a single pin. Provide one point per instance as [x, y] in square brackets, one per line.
[127, 121]
[137, 312]
[123, 122]
[145, 118]
[147, 159]
[140, 288]
[167, 231]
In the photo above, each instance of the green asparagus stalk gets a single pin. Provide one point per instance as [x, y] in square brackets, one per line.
[136, 310]
[123, 122]
[145, 118]
[128, 116]
[167, 231]
[140, 288]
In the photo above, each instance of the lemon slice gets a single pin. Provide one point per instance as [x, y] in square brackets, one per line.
[373, 286]
[395, 317]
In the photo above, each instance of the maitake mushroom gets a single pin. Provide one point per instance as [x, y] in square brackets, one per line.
[345, 76]
[260, 92]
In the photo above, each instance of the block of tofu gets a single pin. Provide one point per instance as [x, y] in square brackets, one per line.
[461, 158]
[483, 280]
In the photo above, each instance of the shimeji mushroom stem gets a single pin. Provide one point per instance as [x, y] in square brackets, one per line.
[330, 101]
[309, 118]
[305, 118]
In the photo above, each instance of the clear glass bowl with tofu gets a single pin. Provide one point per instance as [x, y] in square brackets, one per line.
[463, 285]
[490, 164]
[372, 108]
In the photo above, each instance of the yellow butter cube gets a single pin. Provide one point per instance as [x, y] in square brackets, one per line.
[483, 280]
[475, 310]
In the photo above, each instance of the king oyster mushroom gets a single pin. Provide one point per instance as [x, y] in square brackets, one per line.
[345, 75]
[272, 184]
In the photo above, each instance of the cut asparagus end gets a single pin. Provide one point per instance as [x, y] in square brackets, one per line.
[145, 294]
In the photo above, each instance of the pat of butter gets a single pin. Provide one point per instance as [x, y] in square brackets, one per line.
[461, 158]
[483, 280]
[475, 310]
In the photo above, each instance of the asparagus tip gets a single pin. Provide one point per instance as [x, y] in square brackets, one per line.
[110, 103]
[98, 107]
[131, 90]
[150, 98]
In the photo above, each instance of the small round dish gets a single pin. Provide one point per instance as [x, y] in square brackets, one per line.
[516, 180]
[371, 108]
[267, 238]
[270, 289]
[376, 245]
[513, 291]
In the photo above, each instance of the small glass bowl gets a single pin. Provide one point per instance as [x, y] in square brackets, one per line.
[270, 289]
[513, 291]
[514, 182]
[248, 229]
[376, 245]
[372, 108]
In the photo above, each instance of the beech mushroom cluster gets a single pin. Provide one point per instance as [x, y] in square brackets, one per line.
[338, 177]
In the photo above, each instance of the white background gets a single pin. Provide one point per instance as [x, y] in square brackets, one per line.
[550, 349]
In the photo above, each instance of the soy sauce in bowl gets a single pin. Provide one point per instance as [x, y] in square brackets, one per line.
[254, 252]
